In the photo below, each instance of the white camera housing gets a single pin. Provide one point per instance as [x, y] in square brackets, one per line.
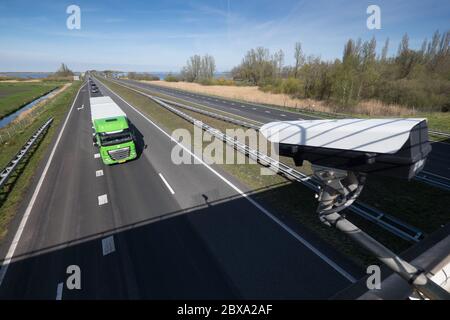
[343, 152]
[393, 147]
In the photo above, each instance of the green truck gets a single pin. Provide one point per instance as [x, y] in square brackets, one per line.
[112, 133]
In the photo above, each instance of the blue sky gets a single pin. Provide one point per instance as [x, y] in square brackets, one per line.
[160, 35]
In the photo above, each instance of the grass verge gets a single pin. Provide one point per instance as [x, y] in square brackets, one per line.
[12, 194]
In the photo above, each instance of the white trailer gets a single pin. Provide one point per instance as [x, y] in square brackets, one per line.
[103, 108]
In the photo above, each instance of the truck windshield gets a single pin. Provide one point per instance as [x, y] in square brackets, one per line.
[115, 138]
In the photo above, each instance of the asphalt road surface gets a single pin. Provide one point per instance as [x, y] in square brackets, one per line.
[152, 229]
[438, 161]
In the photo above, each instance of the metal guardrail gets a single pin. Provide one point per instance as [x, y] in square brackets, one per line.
[11, 166]
[213, 115]
[387, 222]
[436, 181]
[380, 218]
[440, 133]
[306, 111]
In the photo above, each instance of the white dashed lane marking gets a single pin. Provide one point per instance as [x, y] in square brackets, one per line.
[59, 290]
[103, 199]
[98, 173]
[108, 245]
[97, 155]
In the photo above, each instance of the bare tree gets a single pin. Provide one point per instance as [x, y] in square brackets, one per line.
[384, 51]
[299, 58]
[199, 68]
[63, 71]
[278, 61]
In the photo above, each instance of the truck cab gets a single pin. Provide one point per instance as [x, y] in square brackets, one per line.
[112, 133]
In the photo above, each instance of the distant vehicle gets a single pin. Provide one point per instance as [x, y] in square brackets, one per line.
[112, 133]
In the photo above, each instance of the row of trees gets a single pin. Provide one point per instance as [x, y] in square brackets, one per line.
[199, 69]
[259, 66]
[416, 78]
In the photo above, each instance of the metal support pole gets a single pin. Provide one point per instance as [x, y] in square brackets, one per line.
[414, 276]
[339, 189]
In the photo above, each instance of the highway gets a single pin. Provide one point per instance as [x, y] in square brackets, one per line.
[150, 229]
[438, 162]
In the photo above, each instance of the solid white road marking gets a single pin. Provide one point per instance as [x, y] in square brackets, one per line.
[23, 222]
[59, 290]
[98, 173]
[108, 245]
[97, 155]
[103, 199]
[167, 184]
[322, 256]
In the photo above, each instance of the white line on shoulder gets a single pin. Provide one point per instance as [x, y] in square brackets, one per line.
[166, 183]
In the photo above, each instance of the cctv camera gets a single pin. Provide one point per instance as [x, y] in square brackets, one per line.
[343, 152]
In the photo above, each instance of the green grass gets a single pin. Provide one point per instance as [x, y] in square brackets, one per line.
[13, 192]
[439, 121]
[15, 95]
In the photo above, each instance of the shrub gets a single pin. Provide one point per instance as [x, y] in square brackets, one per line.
[171, 78]
[224, 82]
[291, 86]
